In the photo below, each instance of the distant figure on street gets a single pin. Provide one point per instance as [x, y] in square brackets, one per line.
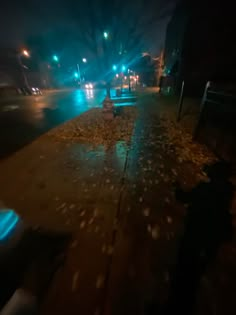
[207, 225]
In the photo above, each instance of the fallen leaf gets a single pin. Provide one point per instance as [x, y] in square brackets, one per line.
[97, 228]
[146, 212]
[64, 211]
[104, 248]
[75, 281]
[91, 221]
[166, 179]
[169, 220]
[110, 250]
[82, 224]
[61, 206]
[74, 244]
[155, 232]
[96, 212]
[149, 228]
[174, 172]
[100, 281]
[82, 213]
[141, 199]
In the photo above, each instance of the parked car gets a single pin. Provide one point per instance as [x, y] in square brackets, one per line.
[31, 91]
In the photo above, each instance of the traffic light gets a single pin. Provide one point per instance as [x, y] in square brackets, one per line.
[105, 34]
[55, 58]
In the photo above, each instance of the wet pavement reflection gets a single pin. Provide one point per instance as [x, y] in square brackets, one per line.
[24, 119]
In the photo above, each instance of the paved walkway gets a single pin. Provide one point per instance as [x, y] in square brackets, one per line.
[120, 206]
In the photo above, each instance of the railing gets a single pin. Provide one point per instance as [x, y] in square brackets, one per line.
[216, 125]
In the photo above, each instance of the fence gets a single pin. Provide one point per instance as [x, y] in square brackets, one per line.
[216, 125]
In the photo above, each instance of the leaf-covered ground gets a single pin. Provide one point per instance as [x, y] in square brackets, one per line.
[179, 134]
[91, 127]
[119, 202]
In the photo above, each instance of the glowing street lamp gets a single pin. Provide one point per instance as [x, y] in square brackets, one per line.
[55, 58]
[105, 35]
[114, 67]
[84, 60]
[25, 53]
[76, 75]
[123, 68]
[20, 54]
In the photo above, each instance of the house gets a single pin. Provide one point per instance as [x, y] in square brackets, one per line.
[200, 44]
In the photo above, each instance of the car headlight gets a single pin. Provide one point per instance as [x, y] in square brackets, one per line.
[86, 86]
[90, 85]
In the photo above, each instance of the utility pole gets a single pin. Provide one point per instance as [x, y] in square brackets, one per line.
[78, 67]
[22, 67]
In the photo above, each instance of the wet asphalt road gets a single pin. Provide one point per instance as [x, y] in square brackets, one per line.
[23, 119]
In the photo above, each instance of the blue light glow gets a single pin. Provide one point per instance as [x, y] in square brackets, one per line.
[123, 68]
[76, 75]
[114, 67]
[55, 58]
[8, 221]
[105, 34]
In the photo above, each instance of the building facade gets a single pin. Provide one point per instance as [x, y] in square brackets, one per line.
[200, 44]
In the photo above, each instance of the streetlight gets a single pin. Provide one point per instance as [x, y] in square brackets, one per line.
[84, 60]
[55, 58]
[114, 67]
[25, 53]
[123, 68]
[105, 35]
[76, 75]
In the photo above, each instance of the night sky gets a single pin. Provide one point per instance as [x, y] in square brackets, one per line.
[57, 21]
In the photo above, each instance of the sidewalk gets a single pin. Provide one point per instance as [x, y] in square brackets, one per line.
[120, 205]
